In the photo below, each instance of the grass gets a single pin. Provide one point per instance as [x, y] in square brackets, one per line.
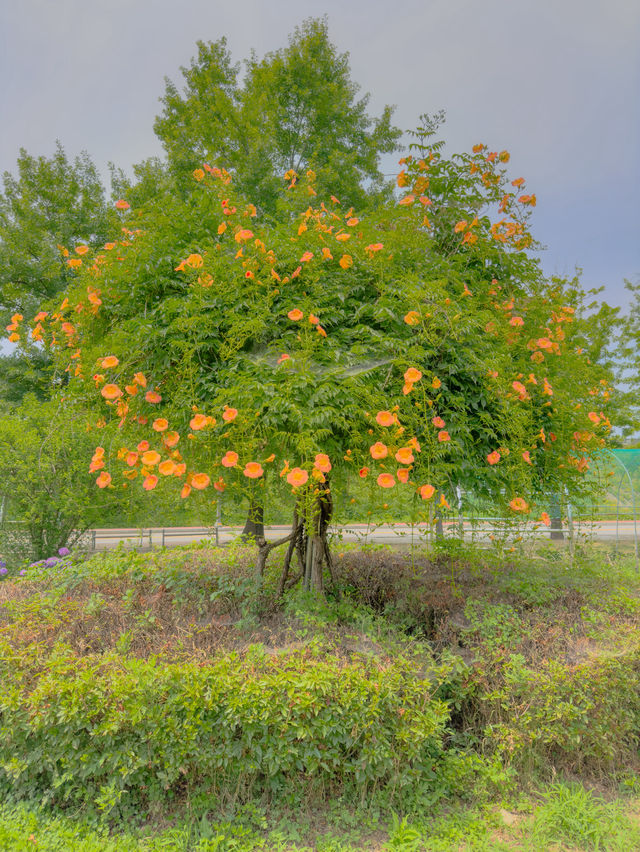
[565, 816]
[525, 667]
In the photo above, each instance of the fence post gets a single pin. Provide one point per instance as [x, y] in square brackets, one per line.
[218, 519]
[460, 515]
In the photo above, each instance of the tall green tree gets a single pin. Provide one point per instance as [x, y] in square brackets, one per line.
[50, 202]
[49, 205]
[295, 109]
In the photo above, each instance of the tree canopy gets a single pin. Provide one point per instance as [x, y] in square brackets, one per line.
[49, 204]
[415, 347]
[295, 109]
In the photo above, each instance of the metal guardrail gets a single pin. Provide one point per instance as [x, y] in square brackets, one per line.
[180, 532]
[481, 530]
[147, 537]
[120, 535]
[474, 528]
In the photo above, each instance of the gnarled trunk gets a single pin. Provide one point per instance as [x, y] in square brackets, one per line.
[316, 545]
[308, 539]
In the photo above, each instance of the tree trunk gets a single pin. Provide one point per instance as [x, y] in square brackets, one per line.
[316, 546]
[308, 539]
[293, 546]
[265, 547]
[316, 578]
[254, 525]
[556, 519]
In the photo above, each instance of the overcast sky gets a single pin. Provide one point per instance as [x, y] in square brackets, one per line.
[556, 82]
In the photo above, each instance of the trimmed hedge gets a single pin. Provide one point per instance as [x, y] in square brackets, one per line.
[107, 730]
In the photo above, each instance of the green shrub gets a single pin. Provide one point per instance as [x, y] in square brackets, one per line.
[107, 731]
[580, 718]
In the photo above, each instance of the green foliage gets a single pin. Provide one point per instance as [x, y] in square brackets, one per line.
[24, 374]
[344, 711]
[116, 733]
[48, 496]
[497, 625]
[23, 829]
[580, 717]
[297, 108]
[403, 837]
[52, 202]
[628, 363]
[50, 205]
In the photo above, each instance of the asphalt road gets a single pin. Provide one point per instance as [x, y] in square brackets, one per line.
[103, 539]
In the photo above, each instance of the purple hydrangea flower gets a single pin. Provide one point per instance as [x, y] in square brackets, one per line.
[23, 572]
[51, 561]
[3, 564]
[3, 570]
[64, 551]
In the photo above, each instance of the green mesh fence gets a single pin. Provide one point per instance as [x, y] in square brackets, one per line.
[617, 475]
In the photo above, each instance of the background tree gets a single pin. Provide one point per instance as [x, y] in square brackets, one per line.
[51, 203]
[627, 362]
[47, 494]
[297, 108]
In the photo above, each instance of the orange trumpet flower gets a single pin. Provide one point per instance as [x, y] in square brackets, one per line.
[379, 450]
[385, 418]
[297, 477]
[427, 491]
[386, 480]
[230, 459]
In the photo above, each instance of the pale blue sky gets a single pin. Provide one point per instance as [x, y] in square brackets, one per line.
[556, 82]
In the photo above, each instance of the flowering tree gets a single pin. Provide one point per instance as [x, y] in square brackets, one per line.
[417, 347]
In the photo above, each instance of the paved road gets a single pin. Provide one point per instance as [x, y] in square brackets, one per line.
[102, 539]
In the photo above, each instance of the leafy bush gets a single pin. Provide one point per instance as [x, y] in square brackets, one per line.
[47, 495]
[107, 731]
[579, 718]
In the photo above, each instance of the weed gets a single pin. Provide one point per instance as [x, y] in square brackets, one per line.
[402, 836]
[571, 814]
